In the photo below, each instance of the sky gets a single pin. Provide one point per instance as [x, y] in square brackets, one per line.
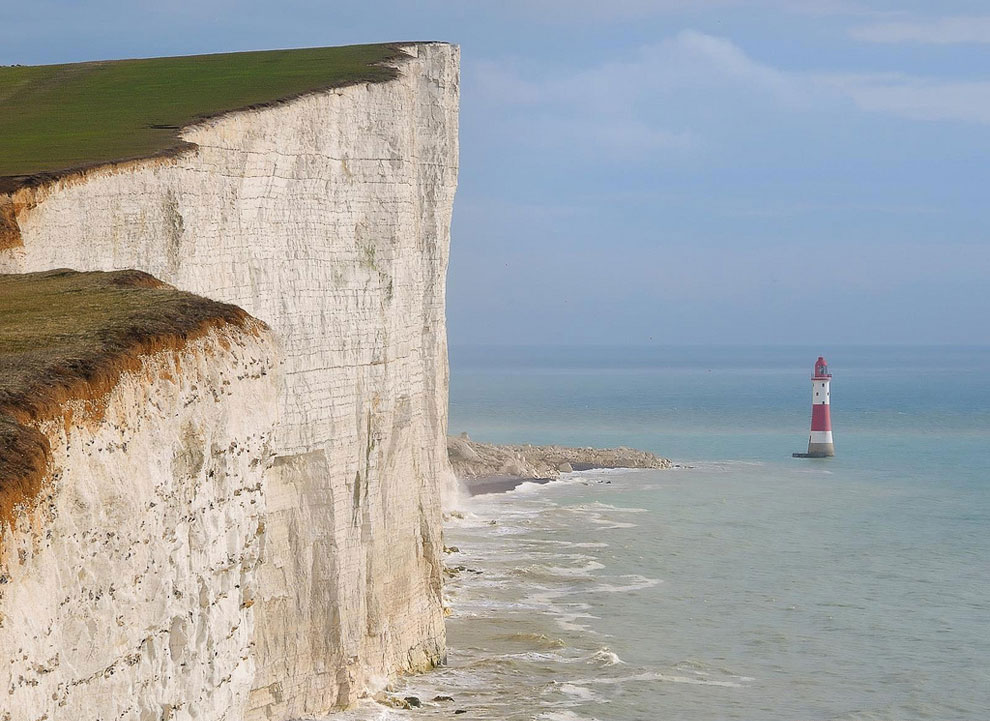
[665, 171]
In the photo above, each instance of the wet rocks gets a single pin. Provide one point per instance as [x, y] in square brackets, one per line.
[471, 459]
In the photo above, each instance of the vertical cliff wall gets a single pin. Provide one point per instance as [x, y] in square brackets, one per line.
[327, 217]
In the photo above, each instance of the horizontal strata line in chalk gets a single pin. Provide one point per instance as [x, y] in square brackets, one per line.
[404, 159]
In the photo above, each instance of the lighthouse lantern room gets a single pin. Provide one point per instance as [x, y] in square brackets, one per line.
[820, 441]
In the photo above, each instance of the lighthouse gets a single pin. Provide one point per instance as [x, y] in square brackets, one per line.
[820, 440]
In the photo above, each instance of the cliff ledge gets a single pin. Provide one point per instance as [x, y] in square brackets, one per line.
[474, 460]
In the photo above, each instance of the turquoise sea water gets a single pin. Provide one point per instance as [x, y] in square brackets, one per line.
[746, 584]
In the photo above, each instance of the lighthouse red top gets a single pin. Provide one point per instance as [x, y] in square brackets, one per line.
[821, 369]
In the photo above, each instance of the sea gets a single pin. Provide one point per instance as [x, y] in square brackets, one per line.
[742, 583]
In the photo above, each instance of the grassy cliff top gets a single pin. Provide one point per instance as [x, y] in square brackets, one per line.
[59, 117]
[63, 333]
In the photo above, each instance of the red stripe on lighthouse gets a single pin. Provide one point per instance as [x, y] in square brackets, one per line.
[821, 419]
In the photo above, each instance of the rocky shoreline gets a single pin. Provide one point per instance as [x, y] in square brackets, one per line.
[492, 468]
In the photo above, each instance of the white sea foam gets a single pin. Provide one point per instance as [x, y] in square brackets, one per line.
[596, 506]
[505, 529]
[598, 517]
[566, 544]
[669, 678]
[580, 692]
[528, 488]
[563, 715]
[722, 466]
[700, 668]
[534, 656]
[571, 571]
[549, 597]
[368, 710]
[471, 607]
[606, 525]
[648, 676]
[608, 472]
[565, 615]
[635, 583]
[605, 657]
[568, 622]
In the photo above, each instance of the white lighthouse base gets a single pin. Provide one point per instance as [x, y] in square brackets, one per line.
[817, 450]
[819, 446]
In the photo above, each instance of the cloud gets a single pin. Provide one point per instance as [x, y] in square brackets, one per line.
[580, 11]
[689, 61]
[917, 98]
[907, 96]
[625, 95]
[936, 31]
[623, 136]
[707, 54]
[674, 98]
[610, 111]
[505, 83]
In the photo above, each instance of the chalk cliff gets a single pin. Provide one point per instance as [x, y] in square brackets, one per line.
[127, 577]
[327, 217]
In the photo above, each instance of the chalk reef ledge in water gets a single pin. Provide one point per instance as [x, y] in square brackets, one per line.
[480, 462]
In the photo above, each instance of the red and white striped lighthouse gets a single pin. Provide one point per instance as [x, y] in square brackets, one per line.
[820, 440]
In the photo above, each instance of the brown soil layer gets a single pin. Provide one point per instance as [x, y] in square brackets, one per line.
[65, 336]
[10, 231]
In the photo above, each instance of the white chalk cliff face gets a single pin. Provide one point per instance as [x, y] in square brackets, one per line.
[328, 218]
[131, 592]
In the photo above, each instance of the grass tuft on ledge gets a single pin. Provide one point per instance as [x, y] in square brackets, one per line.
[69, 335]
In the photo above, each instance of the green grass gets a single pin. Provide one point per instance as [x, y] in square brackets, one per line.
[61, 328]
[56, 117]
